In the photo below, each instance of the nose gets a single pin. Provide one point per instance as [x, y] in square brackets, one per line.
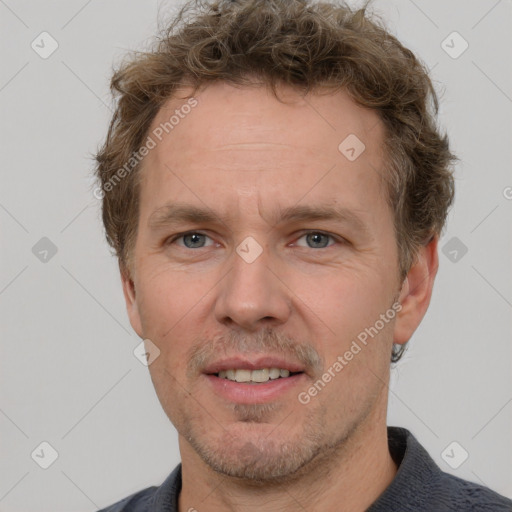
[252, 295]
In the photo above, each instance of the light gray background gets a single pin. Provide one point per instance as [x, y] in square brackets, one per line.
[68, 374]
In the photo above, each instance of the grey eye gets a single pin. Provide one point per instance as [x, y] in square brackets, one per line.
[317, 240]
[196, 240]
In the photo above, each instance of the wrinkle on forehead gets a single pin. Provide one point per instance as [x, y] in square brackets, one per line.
[273, 146]
[246, 118]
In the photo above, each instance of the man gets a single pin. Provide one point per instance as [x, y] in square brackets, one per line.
[274, 187]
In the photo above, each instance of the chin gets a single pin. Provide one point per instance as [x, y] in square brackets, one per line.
[254, 449]
[260, 461]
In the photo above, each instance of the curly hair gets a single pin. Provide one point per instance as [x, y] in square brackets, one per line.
[305, 45]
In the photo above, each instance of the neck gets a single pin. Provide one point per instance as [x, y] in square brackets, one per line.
[347, 478]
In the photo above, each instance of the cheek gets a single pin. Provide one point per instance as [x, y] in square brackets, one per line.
[348, 312]
[346, 303]
[172, 310]
[357, 372]
[166, 299]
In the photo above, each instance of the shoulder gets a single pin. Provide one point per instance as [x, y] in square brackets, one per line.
[458, 494]
[154, 499]
[421, 486]
[138, 502]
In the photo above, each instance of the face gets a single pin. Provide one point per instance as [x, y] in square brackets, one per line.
[263, 254]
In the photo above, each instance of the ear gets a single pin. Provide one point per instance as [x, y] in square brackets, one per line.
[130, 299]
[416, 292]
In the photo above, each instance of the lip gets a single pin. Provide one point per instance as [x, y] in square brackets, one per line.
[246, 393]
[256, 363]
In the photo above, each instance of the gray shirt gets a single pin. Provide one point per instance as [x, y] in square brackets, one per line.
[418, 486]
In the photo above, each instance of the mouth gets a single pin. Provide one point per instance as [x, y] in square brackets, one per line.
[258, 376]
[261, 380]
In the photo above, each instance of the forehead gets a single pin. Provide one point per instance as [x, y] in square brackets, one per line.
[230, 118]
[242, 140]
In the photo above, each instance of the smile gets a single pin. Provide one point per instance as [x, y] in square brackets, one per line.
[254, 376]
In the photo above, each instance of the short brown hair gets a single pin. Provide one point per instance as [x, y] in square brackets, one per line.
[304, 45]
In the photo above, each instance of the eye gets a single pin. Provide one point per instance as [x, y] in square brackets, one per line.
[317, 239]
[191, 240]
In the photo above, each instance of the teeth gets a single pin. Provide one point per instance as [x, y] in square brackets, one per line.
[242, 375]
[274, 373]
[261, 375]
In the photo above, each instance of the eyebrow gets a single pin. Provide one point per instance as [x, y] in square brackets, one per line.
[323, 212]
[178, 213]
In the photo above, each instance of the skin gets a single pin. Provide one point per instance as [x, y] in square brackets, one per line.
[243, 154]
